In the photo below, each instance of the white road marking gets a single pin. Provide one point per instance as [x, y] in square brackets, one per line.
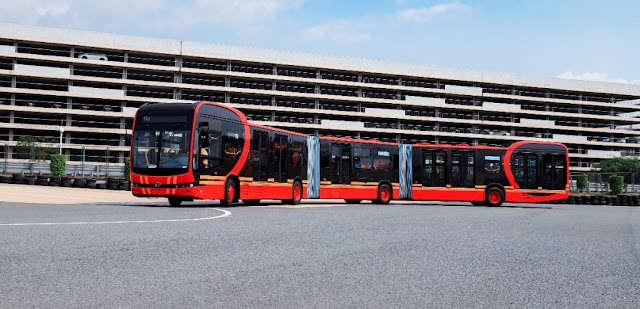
[225, 213]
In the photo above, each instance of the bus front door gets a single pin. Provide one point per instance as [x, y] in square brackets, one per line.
[340, 163]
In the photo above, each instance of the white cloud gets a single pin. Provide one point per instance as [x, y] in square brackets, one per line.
[424, 14]
[597, 77]
[32, 11]
[341, 31]
[150, 15]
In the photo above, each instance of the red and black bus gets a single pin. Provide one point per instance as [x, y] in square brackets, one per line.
[203, 150]
[526, 171]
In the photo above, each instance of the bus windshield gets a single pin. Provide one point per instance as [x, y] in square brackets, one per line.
[162, 141]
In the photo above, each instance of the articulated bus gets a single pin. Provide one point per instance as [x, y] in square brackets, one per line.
[209, 151]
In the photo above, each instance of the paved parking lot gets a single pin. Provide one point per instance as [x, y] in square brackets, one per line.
[69, 247]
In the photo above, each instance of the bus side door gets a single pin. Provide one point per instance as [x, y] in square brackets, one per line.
[280, 155]
[260, 155]
[434, 168]
[553, 171]
[340, 163]
[462, 169]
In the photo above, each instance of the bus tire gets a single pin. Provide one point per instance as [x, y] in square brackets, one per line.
[352, 201]
[229, 193]
[494, 197]
[251, 202]
[384, 194]
[296, 193]
[175, 201]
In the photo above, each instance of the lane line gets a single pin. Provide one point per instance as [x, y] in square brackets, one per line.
[225, 213]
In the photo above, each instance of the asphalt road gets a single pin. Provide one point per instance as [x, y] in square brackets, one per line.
[418, 255]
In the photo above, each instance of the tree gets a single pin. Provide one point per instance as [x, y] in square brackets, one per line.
[30, 147]
[627, 167]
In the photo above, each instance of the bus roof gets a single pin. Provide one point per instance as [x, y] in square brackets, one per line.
[252, 124]
[356, 140]
[458, 146]
[171, 106]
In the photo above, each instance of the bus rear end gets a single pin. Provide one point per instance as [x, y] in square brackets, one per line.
[538, 171]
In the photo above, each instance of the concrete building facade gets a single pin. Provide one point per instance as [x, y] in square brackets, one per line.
[90, 84]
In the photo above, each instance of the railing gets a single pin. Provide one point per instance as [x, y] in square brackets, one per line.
[36, 161]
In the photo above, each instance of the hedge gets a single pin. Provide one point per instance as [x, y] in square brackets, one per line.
[58, 165]
[616, 183]
[127, 171]
[582, 182]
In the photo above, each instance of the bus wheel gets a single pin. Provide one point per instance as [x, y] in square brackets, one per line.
[296, 193]
[175, 201]
[494, 197]
[251, 202]
[229, 193]
[352, 201]
[384, 194]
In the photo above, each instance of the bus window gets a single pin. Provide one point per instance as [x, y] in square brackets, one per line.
[492, 164]
[382, 161]
[297, 154]
[362, 158]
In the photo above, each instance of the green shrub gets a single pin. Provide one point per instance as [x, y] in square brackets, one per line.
[616, 183]
[582, 182]
[58, 165]
[127, 171]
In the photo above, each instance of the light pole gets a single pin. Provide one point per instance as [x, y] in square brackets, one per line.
[60, 145]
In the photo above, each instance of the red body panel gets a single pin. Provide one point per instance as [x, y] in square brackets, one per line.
[447, 194]
[353, 192]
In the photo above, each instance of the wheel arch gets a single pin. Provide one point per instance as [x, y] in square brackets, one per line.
[385, 182]
[496, 185]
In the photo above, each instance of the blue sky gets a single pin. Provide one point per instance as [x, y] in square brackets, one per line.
[593, 40]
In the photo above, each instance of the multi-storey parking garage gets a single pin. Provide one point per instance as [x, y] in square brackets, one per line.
[90, 84]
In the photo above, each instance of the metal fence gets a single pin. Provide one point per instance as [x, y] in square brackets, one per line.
[36, 161]
[599, 182]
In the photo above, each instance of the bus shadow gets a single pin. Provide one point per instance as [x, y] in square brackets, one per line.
[266, 204]
[469, 205]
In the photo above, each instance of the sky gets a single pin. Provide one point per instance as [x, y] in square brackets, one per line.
[588, 39]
